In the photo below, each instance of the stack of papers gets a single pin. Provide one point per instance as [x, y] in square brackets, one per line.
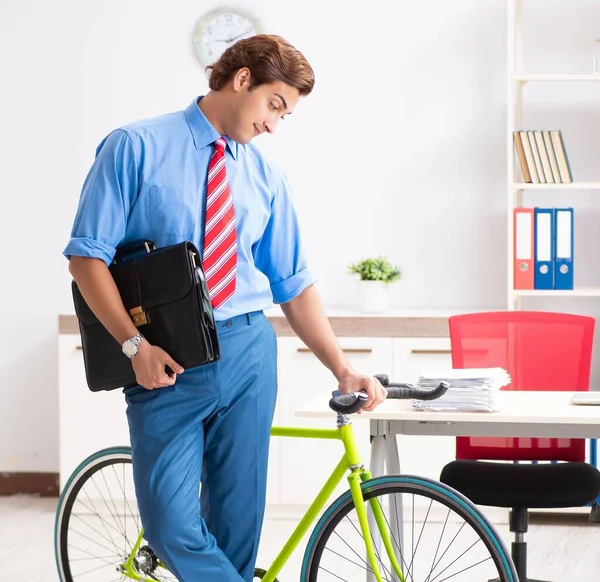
[470, 389]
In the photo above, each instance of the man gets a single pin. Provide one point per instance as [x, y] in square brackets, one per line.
[193, 175]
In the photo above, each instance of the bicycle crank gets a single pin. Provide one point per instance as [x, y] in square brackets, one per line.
[260, 574]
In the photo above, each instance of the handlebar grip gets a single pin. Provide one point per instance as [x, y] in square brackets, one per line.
[354, 401]
[383, 379]
[347, 403]
[406, 391]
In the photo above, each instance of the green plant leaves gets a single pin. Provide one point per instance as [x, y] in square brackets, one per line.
[376, 269]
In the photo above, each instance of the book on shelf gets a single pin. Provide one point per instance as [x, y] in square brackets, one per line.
[542, 156]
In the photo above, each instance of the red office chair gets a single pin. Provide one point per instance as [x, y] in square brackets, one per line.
[540, 351]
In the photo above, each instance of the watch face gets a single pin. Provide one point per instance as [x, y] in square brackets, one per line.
[129, 348]
[218, 30]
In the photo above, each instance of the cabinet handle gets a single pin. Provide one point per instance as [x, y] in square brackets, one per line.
[78, 347]
[425, 352]
[345, 350]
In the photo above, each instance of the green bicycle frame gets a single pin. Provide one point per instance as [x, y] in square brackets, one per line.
[350, 461]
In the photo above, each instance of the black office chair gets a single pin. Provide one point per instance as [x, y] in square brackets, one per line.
[540, 351]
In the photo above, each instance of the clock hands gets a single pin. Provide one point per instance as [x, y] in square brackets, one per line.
[238, 36]
[231, 38]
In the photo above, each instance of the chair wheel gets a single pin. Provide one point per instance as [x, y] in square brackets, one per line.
[595, 513]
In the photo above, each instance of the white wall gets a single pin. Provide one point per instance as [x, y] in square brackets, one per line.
[400, 150]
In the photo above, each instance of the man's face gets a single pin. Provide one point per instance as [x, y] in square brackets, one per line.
[259, 109]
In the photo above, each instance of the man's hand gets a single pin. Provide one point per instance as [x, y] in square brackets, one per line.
[353, 382]
[149, 367]
[308, 320]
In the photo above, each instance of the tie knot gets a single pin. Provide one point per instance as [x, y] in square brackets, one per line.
[220, 144]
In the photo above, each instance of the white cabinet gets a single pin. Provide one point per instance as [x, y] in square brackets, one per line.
[305, 464]
[415, 355]
[422, 455]
[88, 421]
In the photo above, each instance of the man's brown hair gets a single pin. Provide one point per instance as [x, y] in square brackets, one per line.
[269, 58]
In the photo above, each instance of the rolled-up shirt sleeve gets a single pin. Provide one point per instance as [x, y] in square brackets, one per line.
[279, 253]
[109, 191]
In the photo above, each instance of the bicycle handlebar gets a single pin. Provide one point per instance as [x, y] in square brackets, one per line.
[354, 401]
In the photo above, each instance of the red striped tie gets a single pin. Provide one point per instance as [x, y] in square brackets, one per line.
[220, 242]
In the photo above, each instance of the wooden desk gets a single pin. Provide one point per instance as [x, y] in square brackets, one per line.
[523, 414]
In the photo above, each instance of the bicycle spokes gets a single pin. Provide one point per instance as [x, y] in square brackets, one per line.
[103, 539]
[434, 545]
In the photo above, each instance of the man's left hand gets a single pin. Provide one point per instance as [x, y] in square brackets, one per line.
[353, 382]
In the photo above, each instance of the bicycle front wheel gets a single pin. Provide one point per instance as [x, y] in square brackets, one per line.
[443, 537]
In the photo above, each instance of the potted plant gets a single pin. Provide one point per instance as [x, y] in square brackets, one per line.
[375, 276]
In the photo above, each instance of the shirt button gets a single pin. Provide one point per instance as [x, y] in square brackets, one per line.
[229, 324]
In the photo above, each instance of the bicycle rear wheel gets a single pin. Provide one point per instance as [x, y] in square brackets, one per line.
[444, 537]
[97, 523]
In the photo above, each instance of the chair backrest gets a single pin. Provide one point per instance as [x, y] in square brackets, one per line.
[541, 351]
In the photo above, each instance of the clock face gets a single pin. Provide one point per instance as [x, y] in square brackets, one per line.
[218, 30]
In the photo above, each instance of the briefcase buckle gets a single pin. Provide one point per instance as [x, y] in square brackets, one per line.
[139, 316]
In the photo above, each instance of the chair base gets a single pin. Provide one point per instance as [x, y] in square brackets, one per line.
[518, 524]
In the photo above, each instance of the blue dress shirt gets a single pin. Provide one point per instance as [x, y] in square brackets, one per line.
[148, 181]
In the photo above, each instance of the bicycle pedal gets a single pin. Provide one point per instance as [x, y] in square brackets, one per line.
[260, 574]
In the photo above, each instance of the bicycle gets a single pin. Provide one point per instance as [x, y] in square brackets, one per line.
[369, 513]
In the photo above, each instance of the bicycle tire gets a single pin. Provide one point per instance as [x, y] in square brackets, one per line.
[76, 481]
[394, 484]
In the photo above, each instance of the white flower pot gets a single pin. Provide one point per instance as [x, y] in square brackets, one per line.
[373, 296]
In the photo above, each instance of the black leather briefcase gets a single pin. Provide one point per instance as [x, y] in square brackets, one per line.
[164, 291]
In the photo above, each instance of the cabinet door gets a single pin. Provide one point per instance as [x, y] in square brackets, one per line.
[88, 421]
[418, 355]
[305, 464]
[422, 455]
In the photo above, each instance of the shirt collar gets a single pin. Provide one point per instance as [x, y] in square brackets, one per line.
[203, 133]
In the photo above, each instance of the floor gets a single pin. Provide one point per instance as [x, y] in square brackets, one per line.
[556, 552]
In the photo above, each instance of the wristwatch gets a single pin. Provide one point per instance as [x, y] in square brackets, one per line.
[130, 346]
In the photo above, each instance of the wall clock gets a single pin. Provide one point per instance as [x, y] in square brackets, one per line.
[220, 28]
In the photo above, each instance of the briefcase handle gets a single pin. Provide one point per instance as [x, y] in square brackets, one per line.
[133, 247]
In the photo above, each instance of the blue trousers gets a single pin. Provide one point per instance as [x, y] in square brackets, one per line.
[211, 427]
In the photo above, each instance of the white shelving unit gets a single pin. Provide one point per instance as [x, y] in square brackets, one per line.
[573, 186]
[577, 292]
[526, 78]
[516, 82]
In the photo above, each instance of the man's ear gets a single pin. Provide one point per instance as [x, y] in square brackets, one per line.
[241, 79]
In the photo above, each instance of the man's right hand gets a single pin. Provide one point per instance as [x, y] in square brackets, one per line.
[149, 367]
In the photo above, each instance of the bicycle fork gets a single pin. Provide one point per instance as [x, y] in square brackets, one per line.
[357, 475]
[355, 478]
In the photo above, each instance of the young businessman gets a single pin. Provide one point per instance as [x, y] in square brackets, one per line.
[193, 175]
